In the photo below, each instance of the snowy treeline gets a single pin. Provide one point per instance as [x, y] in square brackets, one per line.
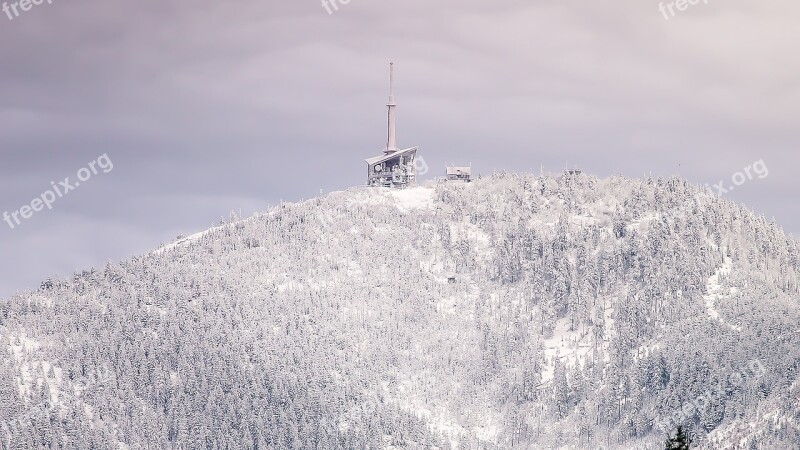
[514, 311]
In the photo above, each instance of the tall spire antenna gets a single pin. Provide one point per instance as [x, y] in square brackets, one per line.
[391, 140]
[391, 82]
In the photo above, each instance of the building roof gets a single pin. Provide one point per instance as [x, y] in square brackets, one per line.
[382, 158]
[455, 170]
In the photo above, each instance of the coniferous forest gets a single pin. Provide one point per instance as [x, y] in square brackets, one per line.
[517, 311]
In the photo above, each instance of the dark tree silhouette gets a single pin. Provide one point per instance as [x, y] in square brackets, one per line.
[681, 441]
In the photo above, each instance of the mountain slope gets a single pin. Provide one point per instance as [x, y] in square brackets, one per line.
[514, 311]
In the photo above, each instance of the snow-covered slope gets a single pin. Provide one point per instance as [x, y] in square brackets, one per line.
[512, 312]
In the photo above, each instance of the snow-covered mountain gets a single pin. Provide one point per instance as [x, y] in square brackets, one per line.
[512, 312]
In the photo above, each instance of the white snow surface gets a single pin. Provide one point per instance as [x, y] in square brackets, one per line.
[181, 242]
[413, 198]
[714, 292]
[571, 347]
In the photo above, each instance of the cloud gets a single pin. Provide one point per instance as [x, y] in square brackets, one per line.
[233, 103]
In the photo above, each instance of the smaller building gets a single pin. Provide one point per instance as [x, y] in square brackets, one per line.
[455, 173]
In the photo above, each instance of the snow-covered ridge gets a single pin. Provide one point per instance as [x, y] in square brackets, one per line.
[182, 241]
[417, 197]
[513, 312]
[715, 291]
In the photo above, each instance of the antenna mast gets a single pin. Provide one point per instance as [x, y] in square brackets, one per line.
[391, 140]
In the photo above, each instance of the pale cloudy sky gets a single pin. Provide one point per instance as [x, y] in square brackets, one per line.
[206, 107]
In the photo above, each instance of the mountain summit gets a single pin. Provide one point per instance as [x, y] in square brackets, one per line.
[512, 312]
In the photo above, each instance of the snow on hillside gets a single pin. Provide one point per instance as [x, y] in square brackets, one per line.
[182, 241]
[21, 348]
[514, 312]
[714, 291]
[570, 347]
[411, 198]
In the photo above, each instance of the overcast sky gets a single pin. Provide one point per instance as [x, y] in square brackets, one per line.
[206, 107]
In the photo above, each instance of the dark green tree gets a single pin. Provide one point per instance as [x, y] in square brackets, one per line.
[681, 441]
